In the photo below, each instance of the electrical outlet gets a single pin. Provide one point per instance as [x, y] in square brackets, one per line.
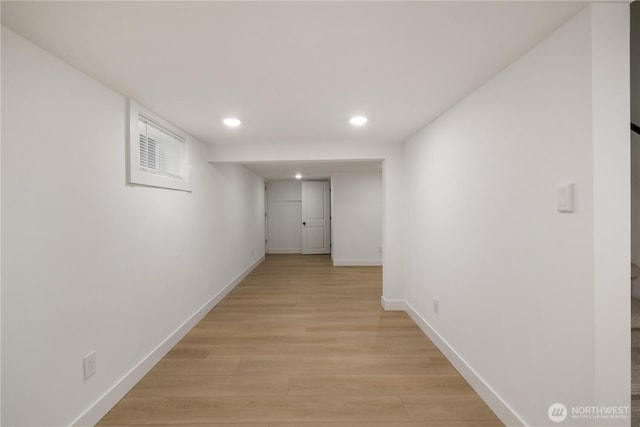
[436, 305]
[89, 363]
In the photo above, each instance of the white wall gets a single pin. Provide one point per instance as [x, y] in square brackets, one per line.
[635, 62]
[356, 219]
[90, 263]
[635, 206]
[610, 76]
[284, 217]
[522, 311]
[635, 140]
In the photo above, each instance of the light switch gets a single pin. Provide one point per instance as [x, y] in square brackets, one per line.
[565, 196]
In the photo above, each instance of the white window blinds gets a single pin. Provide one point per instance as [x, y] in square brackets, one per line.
[157, 151]
[161, 151]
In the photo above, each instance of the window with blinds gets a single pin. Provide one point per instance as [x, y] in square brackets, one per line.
[160, 150]
[157, 151]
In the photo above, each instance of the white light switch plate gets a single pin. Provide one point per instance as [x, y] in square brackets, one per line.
[565, 198]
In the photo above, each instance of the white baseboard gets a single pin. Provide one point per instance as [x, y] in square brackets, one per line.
[108, 400]
[357, 262]
[393, 304]
[285, 251]
[506, 414]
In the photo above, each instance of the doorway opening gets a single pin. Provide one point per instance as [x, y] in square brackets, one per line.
[337, 209]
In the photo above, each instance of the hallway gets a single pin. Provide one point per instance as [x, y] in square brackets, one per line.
[302, 343]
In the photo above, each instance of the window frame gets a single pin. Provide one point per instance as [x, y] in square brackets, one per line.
[137, 176]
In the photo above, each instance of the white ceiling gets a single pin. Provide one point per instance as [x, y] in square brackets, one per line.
[294, 72]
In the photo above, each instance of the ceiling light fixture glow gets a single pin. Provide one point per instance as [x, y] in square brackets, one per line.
[298, 176]
[232, 122]
[358, 120]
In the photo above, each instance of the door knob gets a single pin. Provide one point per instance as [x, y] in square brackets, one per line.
[304, 223]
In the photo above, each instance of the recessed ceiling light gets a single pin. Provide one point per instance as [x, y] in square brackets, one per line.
[232, 122]
[298, 176]
[358, 120]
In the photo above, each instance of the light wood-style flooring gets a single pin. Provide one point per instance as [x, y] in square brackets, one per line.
[302, 343]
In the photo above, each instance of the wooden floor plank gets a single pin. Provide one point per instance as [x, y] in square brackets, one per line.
[461, 407]
[280, 409]
[210, 386]
[300, 343]
[169, 366]
[343, 365]
[378, 384]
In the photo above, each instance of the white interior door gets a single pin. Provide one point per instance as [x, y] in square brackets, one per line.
[284, 216]
[316, 223]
